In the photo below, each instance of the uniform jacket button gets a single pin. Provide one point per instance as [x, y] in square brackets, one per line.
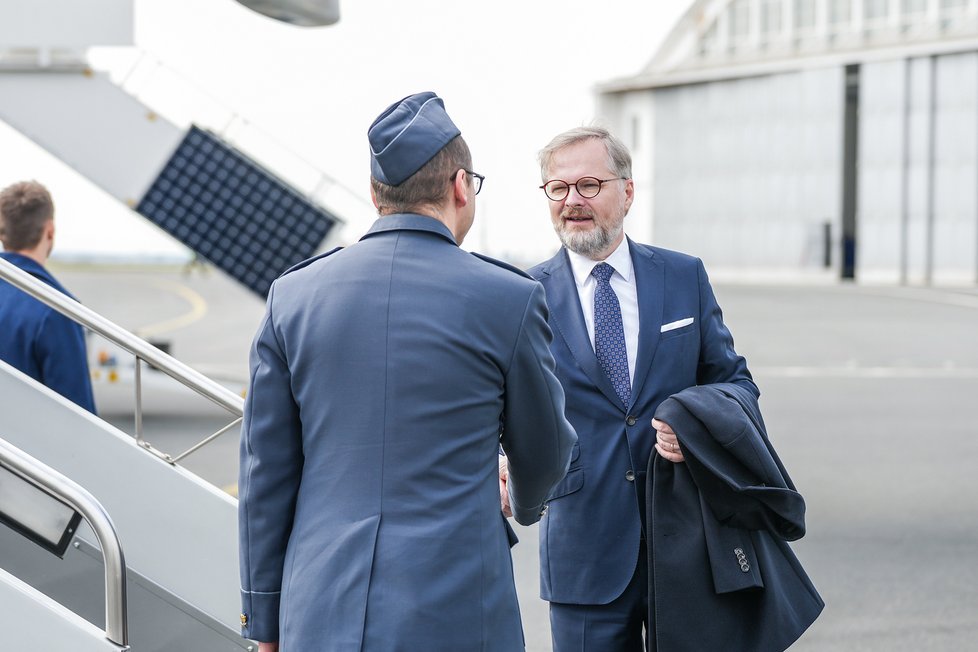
[630, 475]
[631, 420]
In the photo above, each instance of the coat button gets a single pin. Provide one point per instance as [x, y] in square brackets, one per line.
[631, 420]
[630, 475]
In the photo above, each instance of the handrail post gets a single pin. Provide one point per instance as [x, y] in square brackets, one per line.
[139, 400]
[57, 485]
[141, 349]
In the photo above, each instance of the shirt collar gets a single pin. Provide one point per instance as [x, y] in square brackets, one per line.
[620, 259]
[410, 222]
[35, 269]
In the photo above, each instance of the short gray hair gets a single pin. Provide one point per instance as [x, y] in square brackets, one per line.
[619, 159]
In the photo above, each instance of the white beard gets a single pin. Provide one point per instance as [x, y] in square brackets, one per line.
[590, 243]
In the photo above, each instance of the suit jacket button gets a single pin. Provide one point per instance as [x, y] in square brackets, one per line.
[630, 475]
[631, 420]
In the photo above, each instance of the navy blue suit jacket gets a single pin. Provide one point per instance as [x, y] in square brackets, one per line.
[590, 535]
[721, 570]
[40, 341]
[385, 376]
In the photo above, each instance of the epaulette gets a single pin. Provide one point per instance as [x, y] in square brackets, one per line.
[309, 261]
[499, 263]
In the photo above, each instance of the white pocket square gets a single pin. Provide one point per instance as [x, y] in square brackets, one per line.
[673, 325]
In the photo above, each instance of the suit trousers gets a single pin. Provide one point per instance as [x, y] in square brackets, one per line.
[618, 626]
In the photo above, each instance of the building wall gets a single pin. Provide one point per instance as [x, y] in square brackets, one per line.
[881, 192]
[631, 117]
[918, 191]
[955, 241]
[746, 171]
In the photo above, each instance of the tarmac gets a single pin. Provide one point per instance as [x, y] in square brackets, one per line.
[869, 394]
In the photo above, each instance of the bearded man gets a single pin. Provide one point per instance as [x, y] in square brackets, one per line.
[633, 325]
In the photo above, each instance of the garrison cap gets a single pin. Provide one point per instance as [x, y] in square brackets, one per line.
[407, 135]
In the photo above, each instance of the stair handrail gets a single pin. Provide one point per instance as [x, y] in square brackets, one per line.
[139, 347]
[78, 498]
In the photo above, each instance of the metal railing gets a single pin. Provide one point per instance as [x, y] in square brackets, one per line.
[141, 349]
[75, 496]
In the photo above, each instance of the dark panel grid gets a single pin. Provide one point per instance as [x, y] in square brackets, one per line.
[233, 212]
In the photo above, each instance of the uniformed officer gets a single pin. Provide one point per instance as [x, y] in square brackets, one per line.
[385, 376]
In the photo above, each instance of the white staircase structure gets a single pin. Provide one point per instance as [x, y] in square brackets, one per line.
[179, 568]
[154, 566]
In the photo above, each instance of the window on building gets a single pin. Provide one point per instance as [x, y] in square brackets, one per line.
[954, 13]
[876, 11]
[953, 6]
[708, 42]
[840, 12]
[770, 16]
[804, 14]
[739, 20]
[913, 6]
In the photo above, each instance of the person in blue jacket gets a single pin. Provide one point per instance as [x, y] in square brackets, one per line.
[633, 324]
[35, 338]
[384, 379]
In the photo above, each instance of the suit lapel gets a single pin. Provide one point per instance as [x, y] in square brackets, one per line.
[567, 320]
[649, 285]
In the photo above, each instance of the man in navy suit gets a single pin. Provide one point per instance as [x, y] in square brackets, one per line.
[37, 339]
[385, 377]
[633, 324]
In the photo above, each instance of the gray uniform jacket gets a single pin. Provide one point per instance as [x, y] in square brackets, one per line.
[385, 376]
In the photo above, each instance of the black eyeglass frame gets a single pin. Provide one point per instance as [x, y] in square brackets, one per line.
[601, 183]
[476, 178]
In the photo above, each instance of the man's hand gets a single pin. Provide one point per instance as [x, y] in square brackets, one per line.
[268, 647]
[503, 489]
[666, 442]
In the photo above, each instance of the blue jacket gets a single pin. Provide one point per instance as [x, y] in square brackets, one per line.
[40, 341]
[591, 533]
[721, 572]
[385, 376]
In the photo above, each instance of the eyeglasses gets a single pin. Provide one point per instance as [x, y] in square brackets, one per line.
[587, 187]
[477, 178]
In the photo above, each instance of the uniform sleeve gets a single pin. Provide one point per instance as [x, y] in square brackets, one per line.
[719, 362]
[63, 359]
[537, 438]
[269, 473]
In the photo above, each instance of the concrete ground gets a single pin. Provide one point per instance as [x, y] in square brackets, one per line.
[870, 397]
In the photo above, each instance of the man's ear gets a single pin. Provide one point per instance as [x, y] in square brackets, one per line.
[629, 194]
[461, 188]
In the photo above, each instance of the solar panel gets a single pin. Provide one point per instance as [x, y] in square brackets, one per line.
[233, 212]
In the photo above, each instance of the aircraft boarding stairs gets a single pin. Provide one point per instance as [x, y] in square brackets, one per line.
[166, 149]
[156, 568]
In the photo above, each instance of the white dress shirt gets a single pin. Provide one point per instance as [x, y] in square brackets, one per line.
[623, 283]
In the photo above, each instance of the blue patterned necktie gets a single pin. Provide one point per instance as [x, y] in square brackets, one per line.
[609, 334]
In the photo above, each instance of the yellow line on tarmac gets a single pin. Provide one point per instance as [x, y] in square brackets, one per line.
[198, 308]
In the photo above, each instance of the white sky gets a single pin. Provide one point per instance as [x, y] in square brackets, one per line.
[512, 75]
